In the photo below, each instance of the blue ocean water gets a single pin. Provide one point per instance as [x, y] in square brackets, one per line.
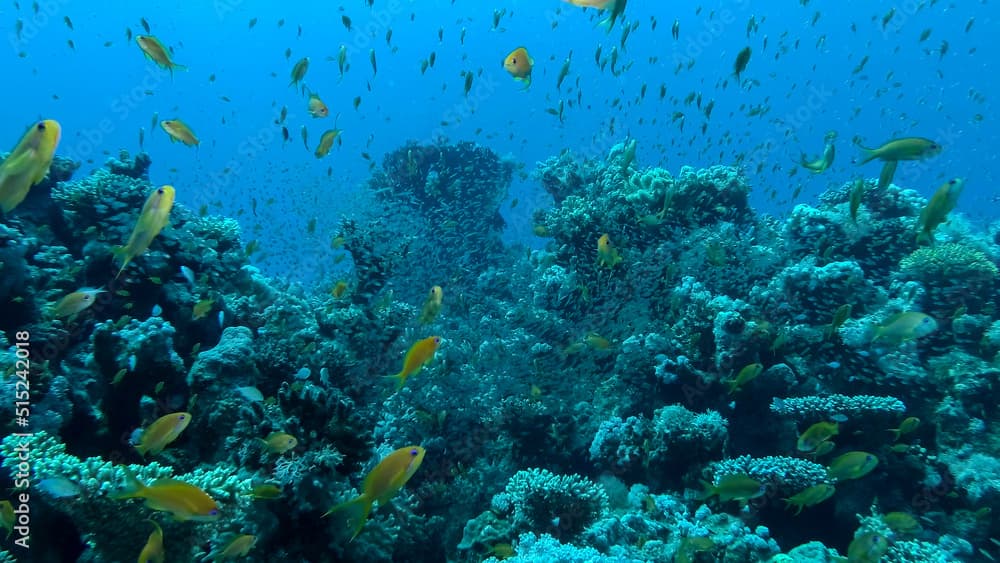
[575, 403]
[104, 91]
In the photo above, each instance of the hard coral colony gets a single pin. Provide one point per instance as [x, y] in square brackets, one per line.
[661, 373]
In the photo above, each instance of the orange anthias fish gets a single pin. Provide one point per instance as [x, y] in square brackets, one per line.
[317, 108]
[28, 163]
[177, 130]
[279, 442]
[162, 432]
[238, 546]
[519, 64]
[152, 552]
[157, 52]
[420, 353]
[151, 221]
[183, 500]
[76, 302]
[381, 484]
[326, 142]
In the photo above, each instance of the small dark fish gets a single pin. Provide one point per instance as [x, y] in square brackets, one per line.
[69, 22]
[253, 22]
[145, 24]
[741, 62]
[346, 21]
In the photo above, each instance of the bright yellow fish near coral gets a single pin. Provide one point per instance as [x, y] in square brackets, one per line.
[607, 255]
[183, 500]
[381, 484]
[418, 355]
[153, 218]
[76, 302]
[162, 432]
[28, 163]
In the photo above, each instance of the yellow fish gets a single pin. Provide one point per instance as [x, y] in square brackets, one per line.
[339, 289]
[519, 64]
[867, 548]
[908, 425]
[936, 212]
[162, 432]
[152, 552]
[432, 305]
[317, 108]
[381, 484]
[419, 354]
[824, 162]
[237, 547]
[299, 71]
[909, 148]
[326, 142]
[279, 442]
[810, 496]
[177, 130]
[183, 500]
[28, 163]
[264, 491]
[201, 309]
[157, 52]
[904, 326]
[76, 302]
[607, 255]
[739, 487]
[152, 219]
[747, 374]
[852, 465]
[816, 435]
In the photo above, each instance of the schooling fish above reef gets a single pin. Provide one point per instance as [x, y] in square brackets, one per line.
[28, 163]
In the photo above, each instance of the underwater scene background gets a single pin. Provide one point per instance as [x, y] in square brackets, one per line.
[579, 280]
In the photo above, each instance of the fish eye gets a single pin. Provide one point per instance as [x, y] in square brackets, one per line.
[414, 452]
[181, 417]
[41, 126]
[86, 297]
[160, 191]
[213, 512]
